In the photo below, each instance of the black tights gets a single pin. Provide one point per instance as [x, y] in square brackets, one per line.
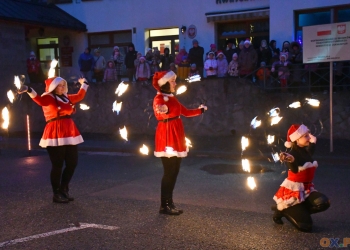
[59, 155]
[171, 168]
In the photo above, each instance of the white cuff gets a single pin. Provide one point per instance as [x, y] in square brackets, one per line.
[32, 94]
[84, 86]
[313, 139]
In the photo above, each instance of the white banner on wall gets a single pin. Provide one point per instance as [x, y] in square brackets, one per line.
[326, 43]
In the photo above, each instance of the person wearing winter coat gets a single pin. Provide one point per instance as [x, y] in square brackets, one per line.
[61, 136]
[211, 66]
[195, 56]
[118, 60]
[110, 74]
[130, 57]
[143, 71]
[247, 59]
[222, 64]
[282, 68]
[264, 53]
[296, 58]
[86, 64]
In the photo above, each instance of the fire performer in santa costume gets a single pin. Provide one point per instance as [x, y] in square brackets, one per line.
[297, 198]
[170, 144]
[60, 136]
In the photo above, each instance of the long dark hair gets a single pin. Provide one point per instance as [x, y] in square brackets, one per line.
[165, 88]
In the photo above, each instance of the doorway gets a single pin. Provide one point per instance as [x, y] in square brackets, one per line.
[47, 51]
[165, 38]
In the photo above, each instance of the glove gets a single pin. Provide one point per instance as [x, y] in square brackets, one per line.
[23, 89]
[82, 80]
[313, 139]
[203, 108]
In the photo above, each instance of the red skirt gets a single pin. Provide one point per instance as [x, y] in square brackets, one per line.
[60, 132]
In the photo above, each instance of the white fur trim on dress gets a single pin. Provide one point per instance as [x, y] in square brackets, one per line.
[308, 165]
[172, 154]
[61, 141]
[32, 94]
[298, 133]
[166, 78]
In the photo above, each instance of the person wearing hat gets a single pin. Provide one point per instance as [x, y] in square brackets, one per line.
[264, 53]
[118, 60]
[143, 71]
[247, 59]
[297, 197]
[86, 64]
[211, 65]
[195, 55]
[230, 50]
[170, 145]
[282, 68]
[100, 65]
[61, 136]
[221, 64]
[129, 60]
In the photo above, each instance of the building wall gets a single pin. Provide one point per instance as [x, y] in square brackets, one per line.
[124, 15]
[282, 16]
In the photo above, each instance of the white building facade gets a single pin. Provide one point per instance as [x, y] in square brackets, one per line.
[174, 24]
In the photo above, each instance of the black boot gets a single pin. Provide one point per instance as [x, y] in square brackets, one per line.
[277, 216]
[172, 205]
[65, 192]
[166, 208]
[58, 197]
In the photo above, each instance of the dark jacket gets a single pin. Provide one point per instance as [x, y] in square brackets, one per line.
[130, 57]
[196, 56]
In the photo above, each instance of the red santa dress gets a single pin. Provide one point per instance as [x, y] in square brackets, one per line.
[60, 129]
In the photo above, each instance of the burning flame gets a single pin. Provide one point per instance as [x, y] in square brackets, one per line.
[274, 112]
[124, 133]
[84, 106]
[270, 139]
[313, 102]
[188, 142]
[17, 82]
[122, 87]
[117, 106]
[244, 142]
[275, 157]
[181, 90]
[251, 183]
[275, 120]
[246, 165]
[53, 65]
[144, 149]
[6, 117]
[255, 123]
[195, 78]
[10, 96]
[295, 105]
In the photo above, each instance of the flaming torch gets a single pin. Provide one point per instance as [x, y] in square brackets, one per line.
[251, 183]
[122, 87]
[53, 65]
[181, 90]
[255, 123]
[84, 106]
[144, 149]
[17, 82]
[188, 143]
[117, 106]
[124, 133]
[10, 96]
[295, 105]
[270, 139]
[6, 117]
[313, 102]
[195, 78]
[246, 165]
[244, 143]
[275, 120]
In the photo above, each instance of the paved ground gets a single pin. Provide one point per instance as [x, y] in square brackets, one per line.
[115, 186]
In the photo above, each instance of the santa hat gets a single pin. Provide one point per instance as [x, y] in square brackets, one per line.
[294, 133]
[142, 58]
[220, 53]
[161, 78]
[247, 41]
[52, 83]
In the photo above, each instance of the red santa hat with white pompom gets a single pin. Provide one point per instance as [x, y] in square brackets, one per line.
[161, 78]
[294, 133]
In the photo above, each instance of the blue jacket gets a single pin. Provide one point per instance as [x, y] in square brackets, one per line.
[86, 62]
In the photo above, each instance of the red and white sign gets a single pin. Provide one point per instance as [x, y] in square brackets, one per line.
[326, 43]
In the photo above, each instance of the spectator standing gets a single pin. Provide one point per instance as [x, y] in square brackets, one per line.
[149, 56]
[211, 65]
[275, 52]
[154, 67]
[143, 72]
[212, 49]
[166, 60]
[233, 70]
[130, 57]
[100, 65]
[296, 58]
[137, 60]
[247, 59]
[240, 47]
[263, 74]
[180, 55]
[264, 53]
[118, 60]
[156, 55]
[195, 56]
[193, 70]
[86, 64]
[222, 64]
[110, 74]
[285, 46]
[34, 68]
[282, 68]
[230, 50]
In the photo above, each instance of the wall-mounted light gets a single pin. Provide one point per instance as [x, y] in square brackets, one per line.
[183, 29]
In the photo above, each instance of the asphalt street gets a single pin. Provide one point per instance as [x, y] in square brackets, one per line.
[117, 191]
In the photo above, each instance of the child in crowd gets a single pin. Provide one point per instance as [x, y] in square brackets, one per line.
[173, 68]
[222, 64]
[110, 74]
[263, 74]
[154, 67]
[282, 67]
[211, 66]
[233, 70]
[143, 72]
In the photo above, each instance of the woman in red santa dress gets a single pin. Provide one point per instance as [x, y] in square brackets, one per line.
[170, 143]
[60, 136]
[297, 198]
